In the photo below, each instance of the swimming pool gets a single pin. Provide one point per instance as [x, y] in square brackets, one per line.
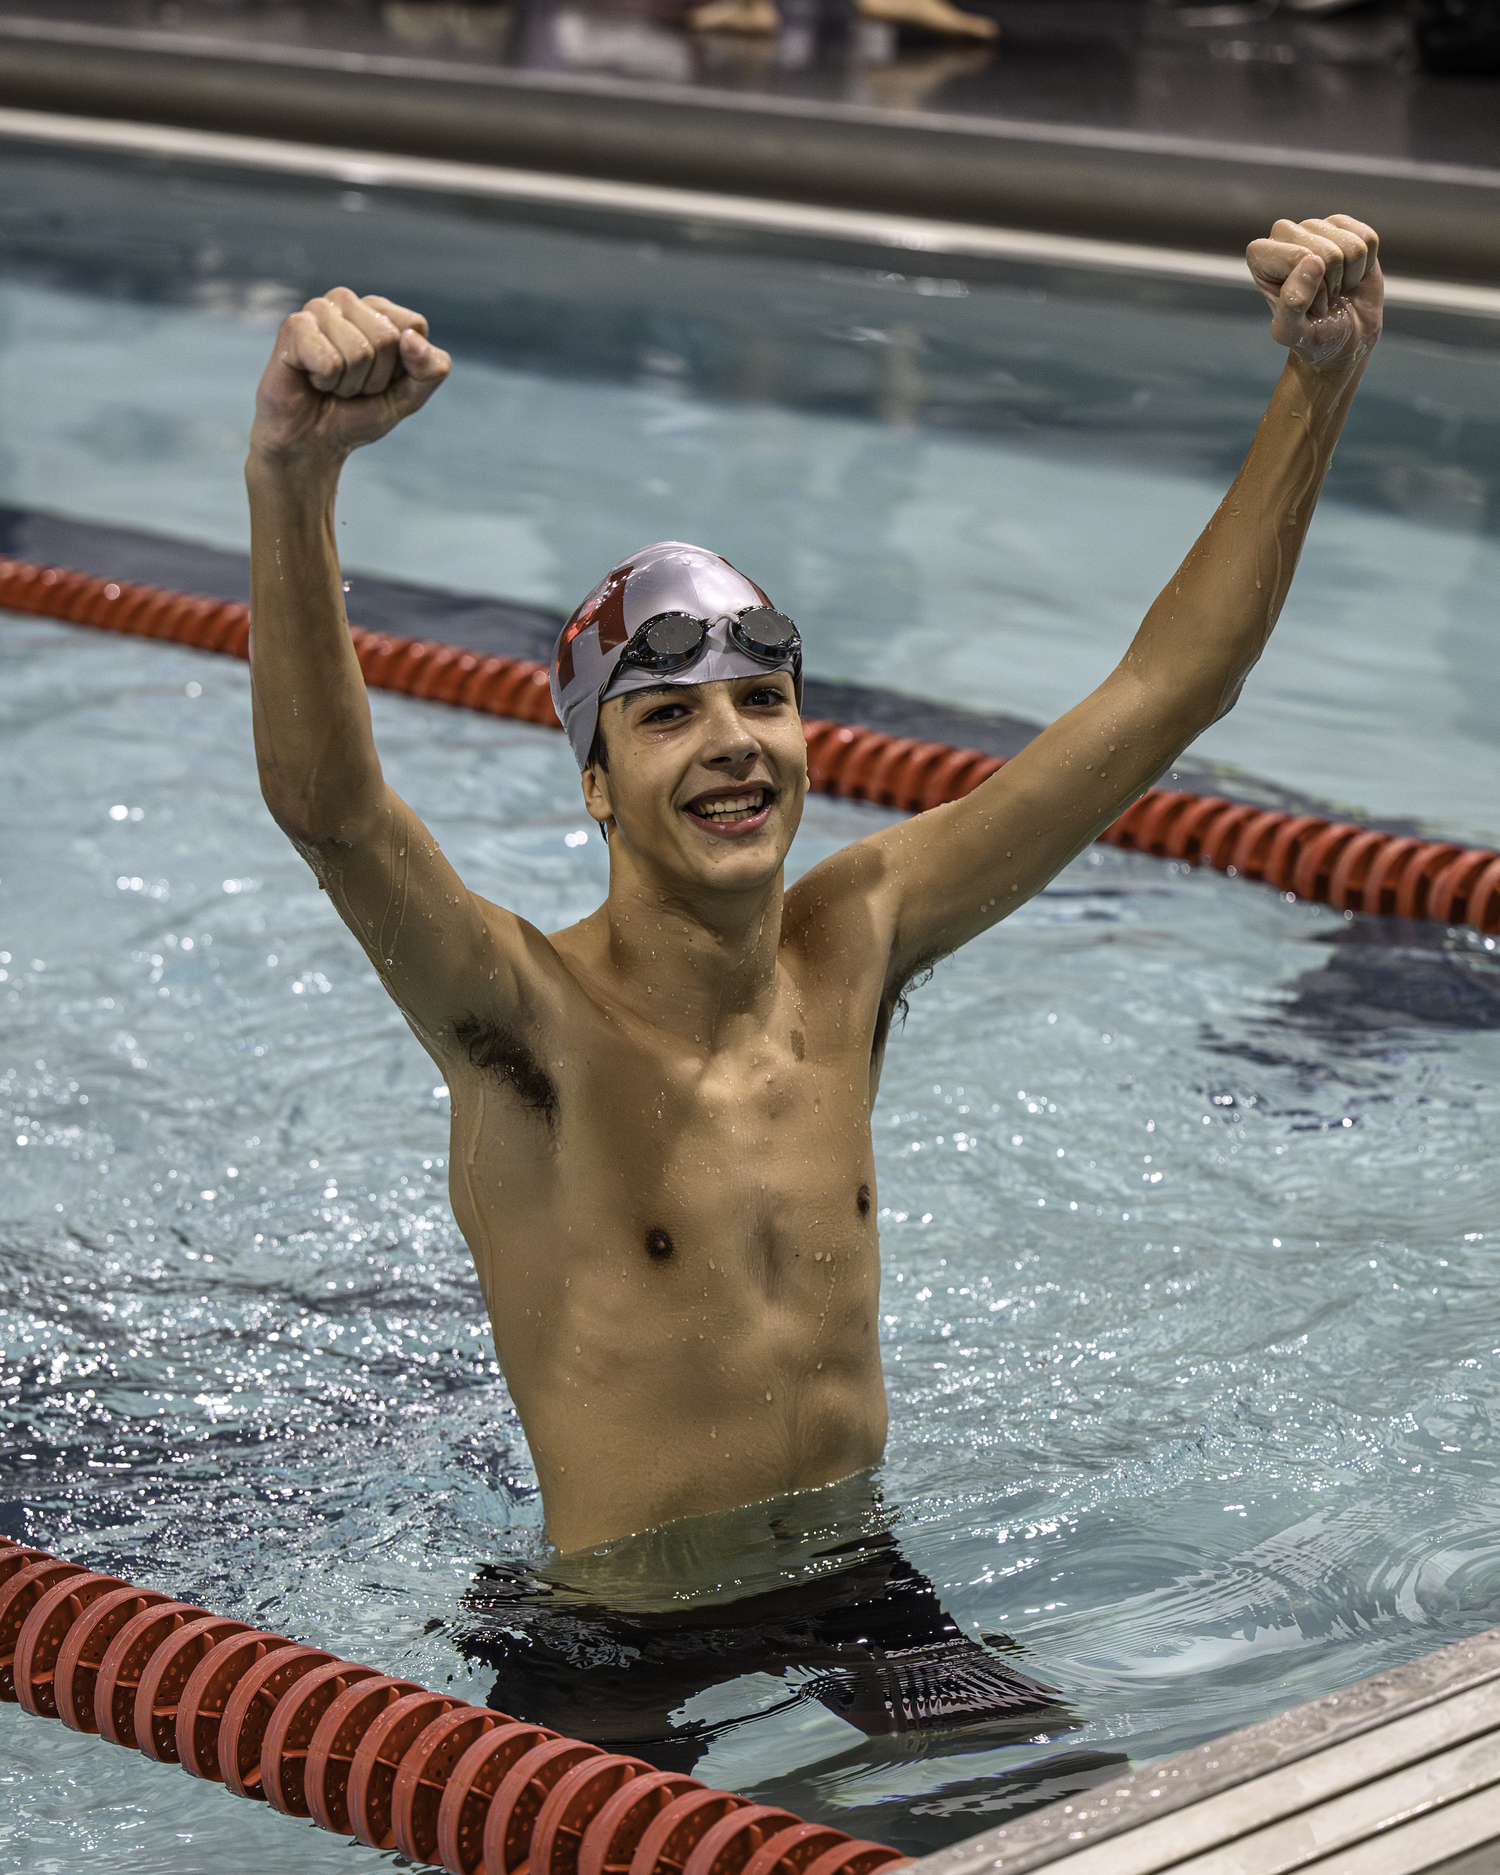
[1211, 1442]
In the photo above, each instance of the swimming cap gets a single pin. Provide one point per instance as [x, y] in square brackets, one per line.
[668, 576]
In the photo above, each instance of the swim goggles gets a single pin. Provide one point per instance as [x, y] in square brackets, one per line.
[673, 640]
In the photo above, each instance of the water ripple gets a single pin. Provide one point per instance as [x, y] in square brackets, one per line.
[1191, 1331]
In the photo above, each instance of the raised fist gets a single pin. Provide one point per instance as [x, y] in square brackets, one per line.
[344, 372]
[1322, 280]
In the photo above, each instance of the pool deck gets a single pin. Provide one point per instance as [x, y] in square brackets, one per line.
[1115, 120]
[1394, 1775]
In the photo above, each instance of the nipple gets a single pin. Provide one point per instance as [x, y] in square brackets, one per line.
[659, 1244]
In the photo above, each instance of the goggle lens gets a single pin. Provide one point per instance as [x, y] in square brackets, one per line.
[765, 633]
[672, 639]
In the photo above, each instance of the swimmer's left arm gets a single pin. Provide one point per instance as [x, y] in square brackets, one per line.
[949, 874]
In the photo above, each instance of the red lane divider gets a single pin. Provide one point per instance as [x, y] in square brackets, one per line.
[367, 1755]
[1336, 863]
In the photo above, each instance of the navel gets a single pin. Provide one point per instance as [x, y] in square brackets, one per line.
[862, 1199]
[659, 1245]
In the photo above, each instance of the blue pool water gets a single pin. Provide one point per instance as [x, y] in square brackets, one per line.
[965, 488]
[1189, 1195]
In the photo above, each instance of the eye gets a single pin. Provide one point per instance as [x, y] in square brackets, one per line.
[664, 713]
[766, 694]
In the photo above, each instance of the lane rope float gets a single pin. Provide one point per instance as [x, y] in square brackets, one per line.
[1332, 862]
[370, 1755]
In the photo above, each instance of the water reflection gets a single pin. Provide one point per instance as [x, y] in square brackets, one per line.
[1390, 974]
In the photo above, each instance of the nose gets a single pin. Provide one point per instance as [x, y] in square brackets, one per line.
[729, 744]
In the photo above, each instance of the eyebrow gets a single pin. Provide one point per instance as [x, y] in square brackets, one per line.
[676, 690]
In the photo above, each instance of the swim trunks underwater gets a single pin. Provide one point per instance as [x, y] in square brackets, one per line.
[610, 1645]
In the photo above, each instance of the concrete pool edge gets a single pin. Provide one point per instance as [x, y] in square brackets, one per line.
[906, 235]
[1246, 1782]
[1439, 218]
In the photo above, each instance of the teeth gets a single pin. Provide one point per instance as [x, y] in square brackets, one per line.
[738, 809]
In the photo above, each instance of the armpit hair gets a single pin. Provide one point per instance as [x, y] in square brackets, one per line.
[918, 977]
[492, 1046]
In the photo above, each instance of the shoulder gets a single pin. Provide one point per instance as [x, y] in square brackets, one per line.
[837, 912]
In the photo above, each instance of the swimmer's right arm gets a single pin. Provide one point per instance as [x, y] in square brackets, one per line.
[345, 372]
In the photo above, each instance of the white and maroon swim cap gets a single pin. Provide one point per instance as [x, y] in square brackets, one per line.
[668, 578]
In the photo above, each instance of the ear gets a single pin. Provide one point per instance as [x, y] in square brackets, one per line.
[596, 795]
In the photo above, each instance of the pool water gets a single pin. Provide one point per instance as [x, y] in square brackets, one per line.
[1188, 1194]
[968, 488]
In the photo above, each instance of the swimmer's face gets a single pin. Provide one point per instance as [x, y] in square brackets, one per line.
[705, 781]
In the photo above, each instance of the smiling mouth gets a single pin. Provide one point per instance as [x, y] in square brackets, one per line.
[729, 810]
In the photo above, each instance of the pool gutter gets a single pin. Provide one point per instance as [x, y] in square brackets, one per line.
[910, 237]
[1397, 1773]
[1439, 221]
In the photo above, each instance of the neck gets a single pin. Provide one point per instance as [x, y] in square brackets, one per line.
[688, 962]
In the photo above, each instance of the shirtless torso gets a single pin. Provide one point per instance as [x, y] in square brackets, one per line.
[680, 1254]
[661, 1152]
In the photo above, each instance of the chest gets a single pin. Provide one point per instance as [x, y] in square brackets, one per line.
[650, 1135]
[767, 1094]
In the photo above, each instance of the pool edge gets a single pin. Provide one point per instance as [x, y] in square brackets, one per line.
[1178, 1786]
[906, 234]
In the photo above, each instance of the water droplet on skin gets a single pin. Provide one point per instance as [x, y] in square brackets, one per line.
[768, 1398]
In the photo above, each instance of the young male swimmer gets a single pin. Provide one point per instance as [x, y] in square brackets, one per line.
[661, 1152]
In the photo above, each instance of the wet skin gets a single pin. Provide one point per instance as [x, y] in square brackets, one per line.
[683, 1208]
[661, 1156]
